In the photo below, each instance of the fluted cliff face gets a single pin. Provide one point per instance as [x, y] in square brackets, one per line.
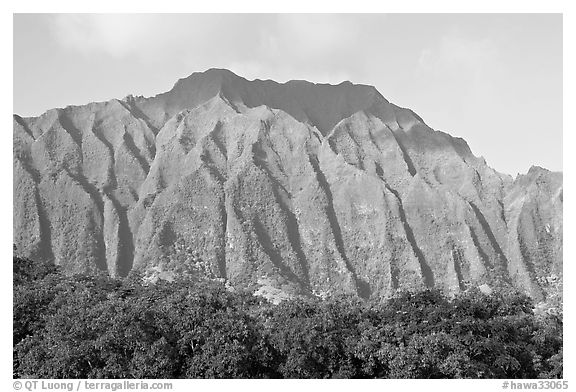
[306, 188]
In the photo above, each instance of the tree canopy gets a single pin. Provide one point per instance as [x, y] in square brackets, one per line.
[99, 327]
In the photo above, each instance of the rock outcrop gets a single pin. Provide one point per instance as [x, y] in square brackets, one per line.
[311, 188]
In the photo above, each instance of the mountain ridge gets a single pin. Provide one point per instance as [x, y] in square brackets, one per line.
[313, 187]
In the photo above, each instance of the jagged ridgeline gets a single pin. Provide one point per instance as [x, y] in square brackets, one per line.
[296, 187]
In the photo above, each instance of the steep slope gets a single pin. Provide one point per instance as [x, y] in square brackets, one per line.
[307, 188]
[534, 216]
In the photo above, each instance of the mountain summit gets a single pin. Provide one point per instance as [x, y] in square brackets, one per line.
[320, 105]
[295, 188]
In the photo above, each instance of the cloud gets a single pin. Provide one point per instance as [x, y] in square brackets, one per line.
[326, 48]
[458, 53]
[461, 65]
[314, 35]
[115, 35]
[278, 46]
[145, 35]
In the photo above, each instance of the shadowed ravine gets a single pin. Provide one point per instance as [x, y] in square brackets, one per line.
[291, 220]
[362, 287]
[424, 267]
[125, 240]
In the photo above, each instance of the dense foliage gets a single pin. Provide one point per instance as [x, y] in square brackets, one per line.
[98, 327]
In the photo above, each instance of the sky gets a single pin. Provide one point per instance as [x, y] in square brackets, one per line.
[493, 79]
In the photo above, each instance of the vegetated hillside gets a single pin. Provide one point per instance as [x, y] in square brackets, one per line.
[296, 188]
[99, 327]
